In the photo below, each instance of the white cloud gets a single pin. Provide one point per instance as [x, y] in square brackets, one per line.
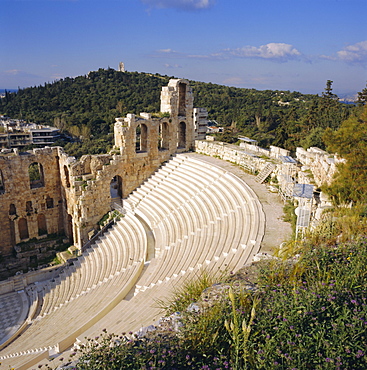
[166, 51]
[356, 53]
[13, 72]
[279, 52]
[233, 81]
[275, 51]
[172, 65]
[180, 4]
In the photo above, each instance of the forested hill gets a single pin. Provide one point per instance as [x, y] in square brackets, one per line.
[86, 106]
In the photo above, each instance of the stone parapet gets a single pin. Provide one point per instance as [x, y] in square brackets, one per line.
[318, 163]
[232, 153]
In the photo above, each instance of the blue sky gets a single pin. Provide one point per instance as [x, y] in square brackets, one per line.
[262, 44]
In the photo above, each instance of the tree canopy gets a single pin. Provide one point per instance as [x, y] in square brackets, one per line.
[350, 142]
[85, 108]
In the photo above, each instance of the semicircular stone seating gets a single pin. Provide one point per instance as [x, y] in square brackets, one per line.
[201, 217]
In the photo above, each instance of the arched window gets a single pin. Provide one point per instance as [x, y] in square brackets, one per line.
[36, 178]
[49, 202]
[12, 210]
[142, 138]
[181, 142]
[42, 225]
[67, 179]
[182, 99]
[163, 136]
[2, 185]
[70, 229]
[23, 228]
[28, 206]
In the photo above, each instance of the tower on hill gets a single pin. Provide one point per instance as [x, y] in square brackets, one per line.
[121, 67]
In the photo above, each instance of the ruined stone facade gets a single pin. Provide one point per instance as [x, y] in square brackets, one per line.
[31, 206]
[46, 191]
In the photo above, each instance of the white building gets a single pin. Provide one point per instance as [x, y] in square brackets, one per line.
[201, 123]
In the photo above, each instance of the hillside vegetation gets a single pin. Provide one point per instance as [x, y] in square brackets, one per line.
[85, 107]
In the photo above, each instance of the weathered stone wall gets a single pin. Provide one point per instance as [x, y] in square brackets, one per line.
[29, 210]
[241, 155]
[320, 164]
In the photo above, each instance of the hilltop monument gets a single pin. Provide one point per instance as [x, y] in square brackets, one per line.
[121, 67]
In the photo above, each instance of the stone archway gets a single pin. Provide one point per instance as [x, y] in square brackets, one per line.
[36, 176]
[116, 189]
[182, 99]
[181, 135]
[23, 229]
[141, 138]
[42, 225]
[163, 141]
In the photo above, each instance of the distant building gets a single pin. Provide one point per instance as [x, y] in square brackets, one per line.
[201, 123]
[17, 133]
[15, 139]
[121, 67]
[214, 128]
[44, 135]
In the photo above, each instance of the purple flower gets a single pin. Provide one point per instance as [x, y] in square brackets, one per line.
[359, 354]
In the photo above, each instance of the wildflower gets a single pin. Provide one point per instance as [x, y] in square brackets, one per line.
[359, 353]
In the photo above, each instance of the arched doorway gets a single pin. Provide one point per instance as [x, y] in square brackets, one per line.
[163, 141]
[42, 225]
[181, 142]
[23, 228]
[116, 189]
[141, 144]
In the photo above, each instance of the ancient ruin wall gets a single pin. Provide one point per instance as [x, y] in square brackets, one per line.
[321, 164]
[73, 195]
[29, 209]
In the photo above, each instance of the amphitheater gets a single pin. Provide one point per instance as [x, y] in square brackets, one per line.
[182, 212]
